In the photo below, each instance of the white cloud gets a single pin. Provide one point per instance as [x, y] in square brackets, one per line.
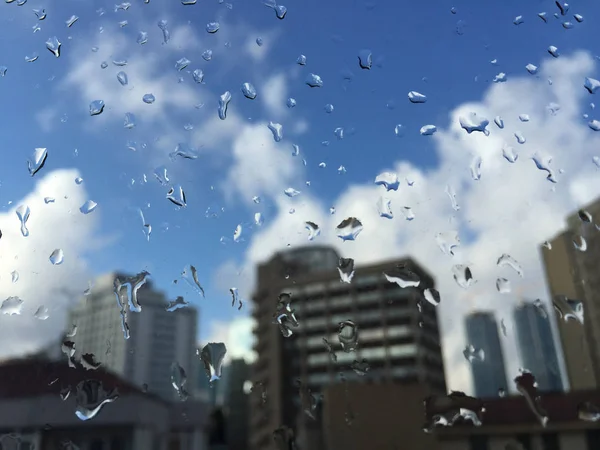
[273, 94]
[511, 209]
[58, 225]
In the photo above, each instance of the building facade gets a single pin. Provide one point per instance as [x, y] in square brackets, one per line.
[489, 375]
[398, 336]
[158, 337]
[572, 271]
[536, 346]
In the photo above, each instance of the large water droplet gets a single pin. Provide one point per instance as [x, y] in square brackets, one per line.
[313, 230]
[37, 160]
[96, 107]
[473, 355]
[91, 397]
[224, 100]
[594, 125]
[473, 122]
[11, 306]
[432, 296]
[503, 285]
[177, 196]
[384, 208]
[507, 260]
[23, 216]
[567, 309]
[416, 97]
[212, 357]
[348, 336]
[53, 45]
[462, 275]
[349, 228]
[249, 91]
[592, 85]
[176, 304]
[190, 275]
[403, 276]
[389, 180]
[122, 77]
[365, 59]
[237, 233]
[542, 162]
[182, 63]
[553, 51]
[346, 269]
[276, 130]
[526, 385]
[179, 380]
[149, 98]
[88, 207]
[284, 315]
[428, 130]
[314, 81]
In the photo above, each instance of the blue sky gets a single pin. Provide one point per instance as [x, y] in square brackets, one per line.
[415, 47]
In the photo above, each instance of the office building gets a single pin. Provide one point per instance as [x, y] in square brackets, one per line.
[536, 346]
[237, 405]
[158, 337]
[398, 335]
[572, 271]
[489, 374]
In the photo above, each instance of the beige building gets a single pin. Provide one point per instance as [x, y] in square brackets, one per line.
[574, 273]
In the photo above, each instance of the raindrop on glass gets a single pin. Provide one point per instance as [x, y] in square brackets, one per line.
[96, 107]
[57, 257]
[472, 122]
[428, 130]
[276, 130]
[346, 269]
[389, 180]
[88, 207]
[416, 97]
[349, 229]
[37, 160]
[432, 296]
[365, 59]
[384, 208]
[122, 77]
[177, 196]
[149, 99]
[348, 336]
[23, 216]
[314, 81]
[41, 313]
[462, 275]
[90, 397]
[249, 91]
[403, 276]
[53, 45]
[11, 306]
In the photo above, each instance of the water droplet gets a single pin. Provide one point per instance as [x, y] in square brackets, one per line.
[365, 60]
[567, 25]
[475, 167]
[78, 180]
[473, 354]
[91, 397]
[178, 303]
[384, 208]
[448, 409]
[328, 108]
[416, 97]
[543, 164]
[194, 282]
[11, 306]
[89, 362]
[301, 60]
[291, 192]
[578, 17]
[360, 367]
[503, 286]
[71, 20]
[531, 68]
[313, 230]
[500, 78]
[237, 233]
[591, 85]
[588, 412]
[584, 216]
[39, 13]
[37, 160]
[348, 336]
[48, 200]
[129, 122]
[399, 130]
[212, 27]
[553, 51]
[162, 24]
[212, 357]
[161, 175]
[88, 207]
[249, 91]
[403, 276]
[408, 213]
[183, 151]
[349, 229]
[32, 58]
[428, 130]
[122, 77]
[284, 315]
[120, 62]
[452, 195]
[23, 213]
[53, 45]
[149, 99]
[594, 125]
[580, 243]
[14, 275]
[179, 380]
[314, 81]
[177, 196]
[447, 241]
[346, 269]
[389, 180]
[224, 100]
[256, 199]
[432, 296]
[518, 20]
[96, 107]
[123, 6]
[568, 309]
[258, 219]
[563, 7]
[259, 41]
[506, 260]
[182, 63]
[142, 37]
[41, 313]
[207, 55]
[103, 65]
[330, 350]
[473, 122]
[462, 275]
[524, 117]
[188, 2]
[280, 11]
[283, 437]
[57, 257]
[520, 138]
[526, 385]
[509, 153]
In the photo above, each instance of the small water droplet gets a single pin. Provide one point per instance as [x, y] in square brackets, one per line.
[32, 58]
[39, 13]
[71, 21]
[472, 122]
[291, 192]
[428, 130]
[503, 285]
[23, 213]
[177, 196]
[103, 65]
[259, 41]
[207, 55]
[500, 78]
[37, 160]
[212, 27]
[349, 229]
[314, 81]
[568, 309]
[543, 164]
[212, 357]
[462, 275]
[91, 397]
[224, 100]
[313, 230]
[149, 99]
[328, 108]
[190, 275]
[276, 130]
[578, 17]
[432, 296]
[403, 276]
[142, 37]
[553, 51]
[346, 269]
[509, 153]
[527, 386]
[88, 207]
[284, 315]
[580, 243]
[11, 306]
[348, 336]
[249, 91]
[384, 208]
[96, 107]
[416, 97]
[179, 380]
[122, 77]
[473, 355]
[365, 59]
[301, 60]
[237, 233]
[57, 257]
[53, 45]
[389, 180]
[518, 20]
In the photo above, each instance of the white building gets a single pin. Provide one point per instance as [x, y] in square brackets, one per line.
[158, 337]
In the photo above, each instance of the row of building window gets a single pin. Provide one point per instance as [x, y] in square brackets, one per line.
[370, 354]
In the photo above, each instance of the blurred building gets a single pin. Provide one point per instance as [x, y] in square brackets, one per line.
[489, 374]
[237, 405]
[536, 345]
[510, 424]
[157, 337]
[39, 399]
[397, 336]
[572, 271]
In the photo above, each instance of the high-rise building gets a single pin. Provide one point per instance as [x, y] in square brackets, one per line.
[158, 337]
[536, 346]
[571, 262]
[396, 329]
[489, 375]
[237, 405]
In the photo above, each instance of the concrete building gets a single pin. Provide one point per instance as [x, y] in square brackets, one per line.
[510, 424]
[489, 375]
[157, 337]
[37, 412]
[573, 273]
[398, 336]
[237, 405]
[536, 346]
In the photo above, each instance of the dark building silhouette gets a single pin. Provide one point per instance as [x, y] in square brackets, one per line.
[536, 346]
[398, 337]
[237, 403]
[489, 375]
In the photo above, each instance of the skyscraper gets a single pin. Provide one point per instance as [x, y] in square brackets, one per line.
[237, 402]
[571, 262]
[489, 375]
[390, 334]
[158, 337]
[536, 346]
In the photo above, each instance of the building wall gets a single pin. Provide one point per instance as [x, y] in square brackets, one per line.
[565, 440]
